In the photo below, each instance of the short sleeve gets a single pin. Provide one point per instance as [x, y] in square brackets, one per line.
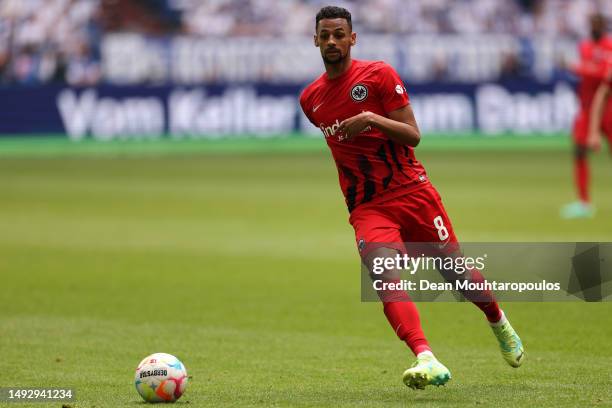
[584, 51]
[305, 108]
[391, 89]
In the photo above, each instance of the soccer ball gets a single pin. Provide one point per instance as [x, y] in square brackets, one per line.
[160, 377]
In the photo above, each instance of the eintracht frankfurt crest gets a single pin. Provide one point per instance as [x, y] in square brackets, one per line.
[359, 93]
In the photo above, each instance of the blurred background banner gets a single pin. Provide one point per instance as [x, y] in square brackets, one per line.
[108, 112]
[129, 58]
[125, 69]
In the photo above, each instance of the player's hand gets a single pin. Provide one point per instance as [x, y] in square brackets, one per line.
[352, 126]
[593, 141]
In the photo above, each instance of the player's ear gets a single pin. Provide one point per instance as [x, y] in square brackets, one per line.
[316, 40]
[353, 38]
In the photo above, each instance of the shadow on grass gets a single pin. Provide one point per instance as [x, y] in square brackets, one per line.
[452, 395]
[148, 404]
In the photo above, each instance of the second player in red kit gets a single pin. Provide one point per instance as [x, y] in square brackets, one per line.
[592, 119]
[363, 110]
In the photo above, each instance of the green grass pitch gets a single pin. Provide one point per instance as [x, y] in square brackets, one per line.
[244, 266]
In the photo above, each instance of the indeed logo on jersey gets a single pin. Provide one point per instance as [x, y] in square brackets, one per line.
[330, 131]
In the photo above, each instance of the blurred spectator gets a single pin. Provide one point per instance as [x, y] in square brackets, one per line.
[58, 40]
[263, 17]
[39, 37]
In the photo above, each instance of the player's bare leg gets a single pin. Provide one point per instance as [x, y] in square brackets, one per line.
[403, 317]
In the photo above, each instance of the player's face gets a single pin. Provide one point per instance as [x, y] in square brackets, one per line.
[334, 38]
[598, 26]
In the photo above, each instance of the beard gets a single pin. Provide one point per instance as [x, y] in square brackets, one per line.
[597, 34]
[336, 60]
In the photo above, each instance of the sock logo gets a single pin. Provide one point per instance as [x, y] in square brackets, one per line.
[361, 244]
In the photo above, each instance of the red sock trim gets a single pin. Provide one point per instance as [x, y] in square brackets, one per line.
[404, 319]
[484, 299]
[582, 179]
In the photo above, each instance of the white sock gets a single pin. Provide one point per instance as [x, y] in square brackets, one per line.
[501, 321]
[425, 353]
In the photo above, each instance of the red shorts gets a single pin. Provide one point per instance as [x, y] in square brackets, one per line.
[416, 217]
[581, 126]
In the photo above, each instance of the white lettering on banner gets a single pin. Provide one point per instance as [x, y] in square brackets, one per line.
[468, 58]
[501, 111]
[497, 111]
[135, 58]
[76, 113]
[444, 112]
[194, 113]
[191, 113]
[129, 58]
[109, 118]
[197, 59]
[236, 111]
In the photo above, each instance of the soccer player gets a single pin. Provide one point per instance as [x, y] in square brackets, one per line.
[363, 110]
[594, 66]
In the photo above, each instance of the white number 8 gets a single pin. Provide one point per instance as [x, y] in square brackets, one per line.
[442, 231]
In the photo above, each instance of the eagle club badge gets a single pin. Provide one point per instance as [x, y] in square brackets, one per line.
[359, 92]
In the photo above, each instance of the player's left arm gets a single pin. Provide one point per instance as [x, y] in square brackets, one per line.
[596, 114]
[400, 126]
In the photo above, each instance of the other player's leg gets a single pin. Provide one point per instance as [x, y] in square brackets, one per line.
[607, 124]
[581, 208]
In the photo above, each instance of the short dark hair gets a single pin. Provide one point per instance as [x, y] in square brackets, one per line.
[333, 12]
[599, 18]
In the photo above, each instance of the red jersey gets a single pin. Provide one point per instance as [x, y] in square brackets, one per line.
[371, 166]
[594, 66]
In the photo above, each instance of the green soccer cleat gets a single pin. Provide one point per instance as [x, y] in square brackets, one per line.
[426, 370]
[510, 343]
[578, 209]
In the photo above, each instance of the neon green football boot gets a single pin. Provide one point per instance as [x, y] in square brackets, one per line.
[578, 209]
[510, 343]
[426, 370]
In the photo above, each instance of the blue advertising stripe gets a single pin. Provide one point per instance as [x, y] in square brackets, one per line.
[221, 110]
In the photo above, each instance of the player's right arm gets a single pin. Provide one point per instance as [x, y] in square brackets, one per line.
[398, 123]
[400, 126]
